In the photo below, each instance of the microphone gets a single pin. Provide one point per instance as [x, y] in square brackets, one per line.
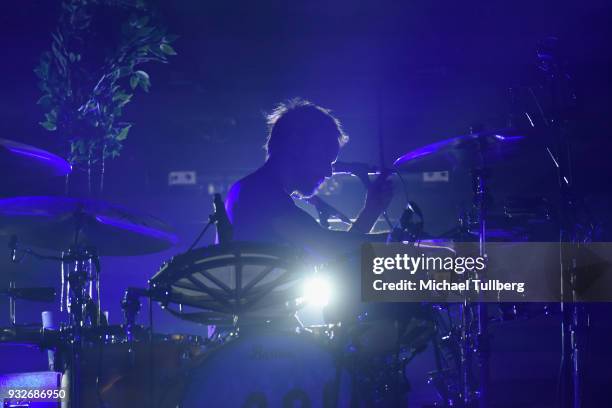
[225, 231]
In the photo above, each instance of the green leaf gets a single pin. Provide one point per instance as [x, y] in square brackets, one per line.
[51, 116]
[123, 98]
[122, 135]
[143, 80]
[57, 38]
[167, 49]
[134, 81]
[119, 95]
[42, 70]
[50, 126]
[142, 75]
[61, 60]
[44, 100]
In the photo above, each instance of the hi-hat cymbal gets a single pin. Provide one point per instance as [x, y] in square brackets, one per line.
[53, 222]
[25, 162]
[476, 150]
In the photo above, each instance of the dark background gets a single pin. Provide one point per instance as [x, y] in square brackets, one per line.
[414, 72]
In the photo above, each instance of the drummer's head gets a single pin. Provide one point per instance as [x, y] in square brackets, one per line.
[303, 142]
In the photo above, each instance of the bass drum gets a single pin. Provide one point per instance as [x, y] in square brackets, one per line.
[270, 370]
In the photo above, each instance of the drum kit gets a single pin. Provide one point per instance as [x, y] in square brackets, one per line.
[260, 353]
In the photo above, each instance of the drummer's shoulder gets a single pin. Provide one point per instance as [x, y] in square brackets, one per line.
[251, 189]
[246, 186]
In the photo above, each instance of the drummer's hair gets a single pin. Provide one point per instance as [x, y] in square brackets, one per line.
[302, 118]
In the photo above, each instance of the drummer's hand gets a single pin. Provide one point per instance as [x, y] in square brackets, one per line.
[379, 195]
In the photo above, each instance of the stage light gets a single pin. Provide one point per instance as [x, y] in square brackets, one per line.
[317, 291]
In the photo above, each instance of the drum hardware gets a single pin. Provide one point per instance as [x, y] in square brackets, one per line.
[191, 281]
[409, 230]
[467, 151]
[231, 284]
[30, 294]
[557, 82]
[220, 219]
[530, 209]
[377, 355]
[476, 152]
[524, 311]
[130, 305]
[38, 294]
[32, 335]
[225, 231]
[81, 229]
[448, 349]
[59, 223]
[121, 371]
[81, 281]
[326, 211]
[479, 346]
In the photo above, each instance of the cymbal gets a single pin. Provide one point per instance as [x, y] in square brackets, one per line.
[475, 150]
[52, 223]
[29, 162]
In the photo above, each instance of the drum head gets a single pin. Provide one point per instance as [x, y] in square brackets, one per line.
[213, 285]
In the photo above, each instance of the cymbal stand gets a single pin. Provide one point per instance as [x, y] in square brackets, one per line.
[481, 337]
[130, 305]
[81, 287]
[80, 268]
[12, 306]
[81, 299]
[473, 312]
[557, 83]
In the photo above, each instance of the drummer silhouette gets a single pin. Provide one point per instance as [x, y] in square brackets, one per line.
[303, 142]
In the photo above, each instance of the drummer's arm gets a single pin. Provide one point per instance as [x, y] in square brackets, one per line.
[377, 200]
[303, 231]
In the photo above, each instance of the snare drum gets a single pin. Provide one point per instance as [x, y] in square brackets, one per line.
[272, 369]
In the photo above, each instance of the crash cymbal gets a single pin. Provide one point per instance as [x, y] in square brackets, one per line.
[54, 223]
[464, 152]
[25, 162]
